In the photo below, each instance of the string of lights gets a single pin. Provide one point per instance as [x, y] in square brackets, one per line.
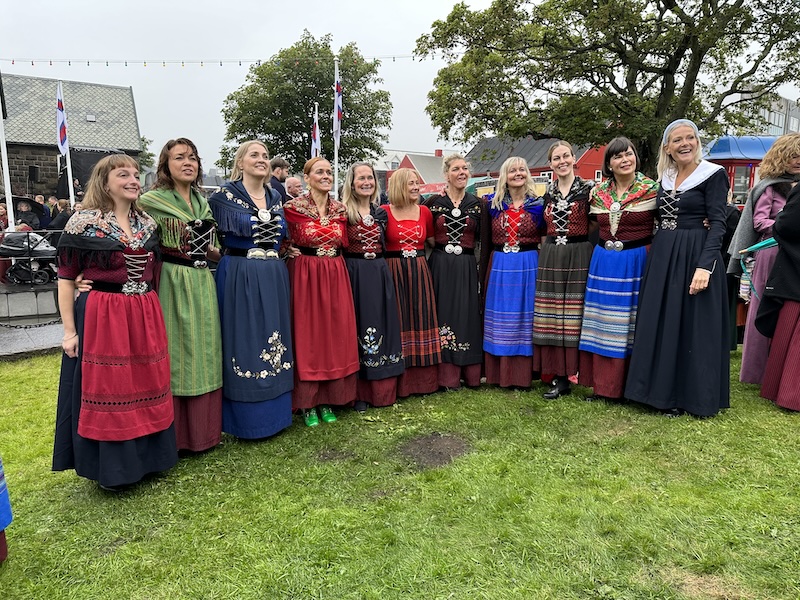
[246, 62]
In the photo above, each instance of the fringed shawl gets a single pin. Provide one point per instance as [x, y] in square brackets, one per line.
[171, 213]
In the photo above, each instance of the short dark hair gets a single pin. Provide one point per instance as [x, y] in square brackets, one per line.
[614, 147]
[278, 163]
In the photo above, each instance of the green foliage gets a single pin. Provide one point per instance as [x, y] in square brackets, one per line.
[146, 158]
[566, 499]
[588, 70]
[276, 104]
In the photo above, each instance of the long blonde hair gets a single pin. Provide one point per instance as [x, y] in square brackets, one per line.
[777, 159]
[349, 194]
[502, 181]
[236, 172]
[398, 187]
[665, 161]
[95, 195]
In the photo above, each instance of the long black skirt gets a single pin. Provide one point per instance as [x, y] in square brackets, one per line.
[680, 355]
[111, 464]
[455, 285]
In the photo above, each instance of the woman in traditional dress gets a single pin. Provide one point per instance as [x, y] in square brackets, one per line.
[409, 227]
[624, 206]
[377, 324]
[253, 297]
[323, 316]
[188, 295]
[779, 317]
[563, 268]
[511, 234]
[778, 171]
[680, 358]
[115, 410]
[456, 229]
[5, 514]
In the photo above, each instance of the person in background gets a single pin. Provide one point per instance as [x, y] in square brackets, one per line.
[3, 217]
[732, 217]
[253, 296]
[563, 268]
[680, 358]
[77, 189]
[45, 219]
[323, 315]
[294, 187]
[5, 514]
[25, 215]
[456, 229]
[280, 171]
[624, 207]
[409, 227]
[187, 293]
[52, 205]
[779, 170]
[510, 258]
[377, 321]
[62, 213]
[114, 419]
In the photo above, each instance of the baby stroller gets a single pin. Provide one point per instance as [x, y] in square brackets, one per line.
[36, 258]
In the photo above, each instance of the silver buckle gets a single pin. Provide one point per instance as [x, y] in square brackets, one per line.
[261, 254]
[457, 250]
[513, 248]
[409, 253]
[134, 288]
[618, 246]
[561, 240]
[450, 248]
[369, 255]
[200, 264]
[669, 224]
[330, 252]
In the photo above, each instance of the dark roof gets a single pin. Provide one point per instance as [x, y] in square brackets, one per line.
[31, 103]
[747, 147]
[489, 154]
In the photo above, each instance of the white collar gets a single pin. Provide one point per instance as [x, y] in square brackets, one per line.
[703, 171]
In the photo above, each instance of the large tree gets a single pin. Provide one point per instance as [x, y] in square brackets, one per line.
[587, 70]
[276, 104]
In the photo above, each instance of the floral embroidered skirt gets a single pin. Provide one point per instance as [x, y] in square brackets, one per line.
[258, 365]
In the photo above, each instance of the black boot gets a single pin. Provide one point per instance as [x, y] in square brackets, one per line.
[560, 388]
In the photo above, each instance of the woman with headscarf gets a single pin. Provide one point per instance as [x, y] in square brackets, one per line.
[510, 255]
[378, 327]
[624, 206]
[188, 295]
[253, 296]
[114, 419]
[680, 358]
[409, 227]
[561, 276]
[323, 316]
[779, 169]
[456, 229]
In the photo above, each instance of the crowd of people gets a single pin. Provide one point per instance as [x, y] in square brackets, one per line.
[322, 301]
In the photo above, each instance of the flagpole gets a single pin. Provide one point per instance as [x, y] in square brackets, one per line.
[6, 173]
[65, 149]
[336, 128]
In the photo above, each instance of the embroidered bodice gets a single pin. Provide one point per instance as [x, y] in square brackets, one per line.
[567, 217]
[456, 226]
[407, 234]
[307, 228]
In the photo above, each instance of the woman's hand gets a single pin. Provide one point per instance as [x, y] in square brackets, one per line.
[292, 252]
[82, 284]
[699, 281]
[70, 344]
[213, 253]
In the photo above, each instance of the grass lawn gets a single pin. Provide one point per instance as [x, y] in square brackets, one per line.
[562, 499]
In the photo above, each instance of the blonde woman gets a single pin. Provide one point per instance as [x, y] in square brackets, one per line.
[377, 325]
[779, 171]
[409, 227]
[511, 236]
[680, 358]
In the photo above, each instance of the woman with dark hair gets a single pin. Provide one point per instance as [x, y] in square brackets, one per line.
[779, 314]
[779, 170]
[253, 296]
[680, 358]
[409, 227]
[323, 316]
[456, 229]
[188, 295]
[624, 206]
[561, 277]
[5, 514]
[510, 254]
[378, 327]
[115, 412]
[61, 216]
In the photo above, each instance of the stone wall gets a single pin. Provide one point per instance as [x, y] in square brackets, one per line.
[20, 157]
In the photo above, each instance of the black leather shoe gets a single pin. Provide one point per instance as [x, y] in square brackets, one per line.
[672, 413]
[560, 388]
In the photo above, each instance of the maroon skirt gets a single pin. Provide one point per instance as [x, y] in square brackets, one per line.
[556, 360]
[509, 371]
[604, 374]
[198, 421]
[781, 382]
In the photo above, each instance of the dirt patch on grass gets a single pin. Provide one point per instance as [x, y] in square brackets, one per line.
[333, 454]
[434, 450]
[706, 587]
[112, 546]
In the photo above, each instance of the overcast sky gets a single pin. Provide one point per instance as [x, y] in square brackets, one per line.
[186, 101]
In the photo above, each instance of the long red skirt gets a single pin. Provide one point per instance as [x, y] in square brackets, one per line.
[560, 361]
[198, 421]
[782, 375]
[378, 392]
[418, 380]
[3, 546]
[604, 374]
[450, 375]
[509, 371]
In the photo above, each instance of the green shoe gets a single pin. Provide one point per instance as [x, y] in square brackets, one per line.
[311, 418]
[327, 414]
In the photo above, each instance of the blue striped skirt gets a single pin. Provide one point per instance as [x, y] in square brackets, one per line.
[612, 299]
[5, 505]
[510, 294]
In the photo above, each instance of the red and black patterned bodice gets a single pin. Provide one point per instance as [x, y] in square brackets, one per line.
[632, 225]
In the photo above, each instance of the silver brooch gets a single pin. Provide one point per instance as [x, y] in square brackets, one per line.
[264, 215]
[456, 212]
[368, 220]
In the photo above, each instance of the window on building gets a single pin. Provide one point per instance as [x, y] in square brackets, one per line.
[598, 176]
[794, 124]
[741, 183]
[395, 165]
